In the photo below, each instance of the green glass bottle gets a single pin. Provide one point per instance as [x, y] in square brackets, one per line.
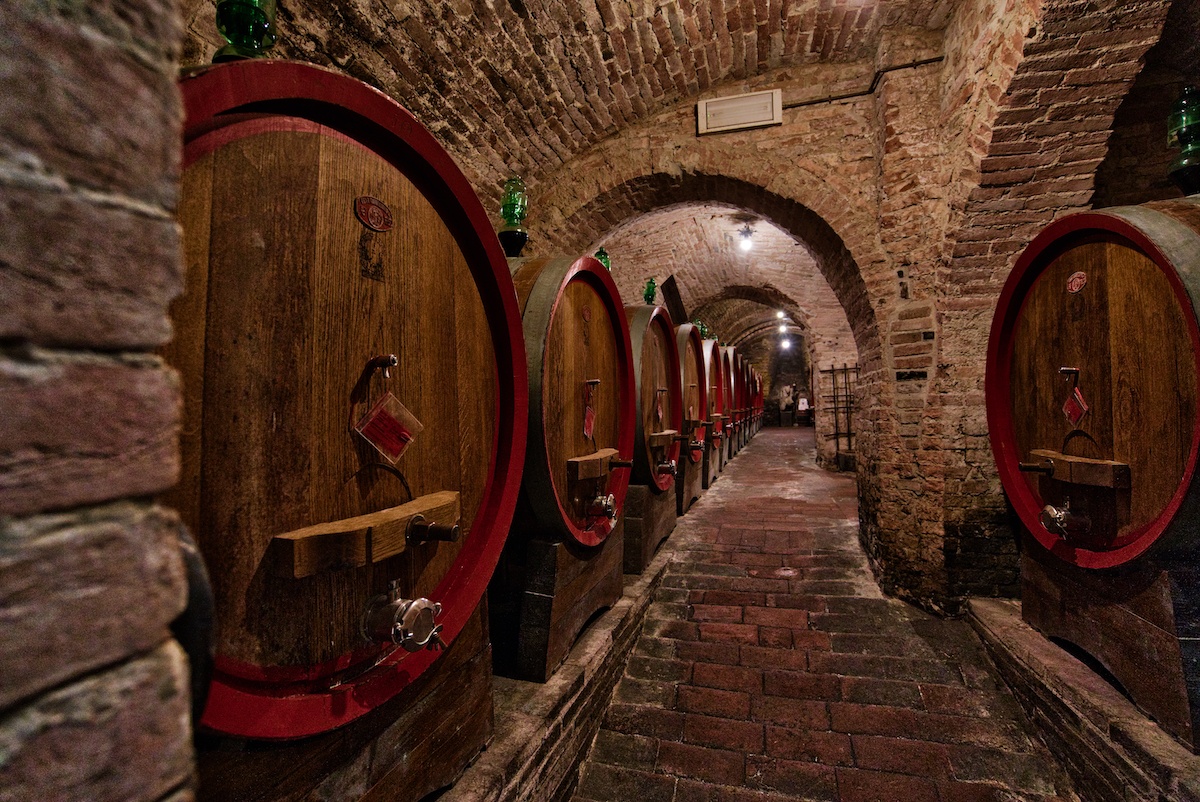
[651, 290]
[514, 206]
[248, 26]
[1183, 132]
[602, 257]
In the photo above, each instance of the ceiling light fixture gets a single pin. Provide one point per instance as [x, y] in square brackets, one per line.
[747, 235]
[783, 328]
[779, 314]
[785, 344]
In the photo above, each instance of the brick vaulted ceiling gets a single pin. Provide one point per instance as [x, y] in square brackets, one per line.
[523, 85]
[735, 292]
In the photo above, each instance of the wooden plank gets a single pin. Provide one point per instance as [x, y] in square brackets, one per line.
[354, 542]
[1084, 470]
[662, 439]
[592, 466]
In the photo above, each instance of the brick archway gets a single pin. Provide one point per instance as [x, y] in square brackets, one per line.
[609, 207]
[1049, 134]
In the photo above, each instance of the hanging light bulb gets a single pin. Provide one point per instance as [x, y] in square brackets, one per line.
[747, 235]
[779, 314]
[783, 328]
[785, 344]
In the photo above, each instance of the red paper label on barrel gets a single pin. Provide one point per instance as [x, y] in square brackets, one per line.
[1075, 408]
[589, 421]
[389, 427]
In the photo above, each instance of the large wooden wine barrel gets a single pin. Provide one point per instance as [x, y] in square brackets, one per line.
[344, 287]
[717, 412]
[582, 404]
[563, 560]
[759, 405]
[729, 388]
[659, 419]
[1092, 383]
[742, 385]
[694, 386]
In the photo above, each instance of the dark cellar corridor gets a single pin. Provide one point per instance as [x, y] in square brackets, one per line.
[772, 668]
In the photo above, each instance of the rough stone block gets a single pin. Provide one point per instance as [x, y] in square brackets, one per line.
[75, 272]
[80, 105]
[122, 735]
[82, 591]
[83, 430]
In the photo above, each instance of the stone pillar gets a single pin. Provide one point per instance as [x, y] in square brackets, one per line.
[94, 701]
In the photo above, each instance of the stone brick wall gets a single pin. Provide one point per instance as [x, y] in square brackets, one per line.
[1136, 167]
[1049, 136]
[94, 700]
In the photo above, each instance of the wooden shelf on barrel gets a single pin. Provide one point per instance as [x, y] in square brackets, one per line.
[1092, 401]
[359, 541]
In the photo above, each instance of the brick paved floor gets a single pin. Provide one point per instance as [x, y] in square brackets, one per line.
[771, 667]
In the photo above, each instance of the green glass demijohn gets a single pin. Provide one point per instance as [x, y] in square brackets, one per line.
[602, 258]
[248, 26]
[514, 206]
[1183, 132]
[651, 290]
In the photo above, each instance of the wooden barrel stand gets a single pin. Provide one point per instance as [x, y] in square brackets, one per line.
[545, 592]
[1092, 388]
[562, 563]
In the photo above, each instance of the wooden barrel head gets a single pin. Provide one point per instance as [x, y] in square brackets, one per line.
[324, 227]
[659, 403]
[693, 386]
[582, 403]
[1092, 382]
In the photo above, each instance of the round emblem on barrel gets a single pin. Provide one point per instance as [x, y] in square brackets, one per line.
[373, 213]
[1076, 282]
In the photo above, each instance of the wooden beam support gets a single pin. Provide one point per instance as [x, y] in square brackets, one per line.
[662, 439]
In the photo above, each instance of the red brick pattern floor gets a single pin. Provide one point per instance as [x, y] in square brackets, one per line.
[771, 667]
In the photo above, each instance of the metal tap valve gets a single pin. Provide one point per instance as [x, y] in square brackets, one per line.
[667, 468]
[603, 506]
[408, 623]
[1063, 522]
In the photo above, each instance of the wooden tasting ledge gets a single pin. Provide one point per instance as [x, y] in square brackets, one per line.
[543, 731]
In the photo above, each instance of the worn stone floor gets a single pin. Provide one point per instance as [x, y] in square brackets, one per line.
[772, 668]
